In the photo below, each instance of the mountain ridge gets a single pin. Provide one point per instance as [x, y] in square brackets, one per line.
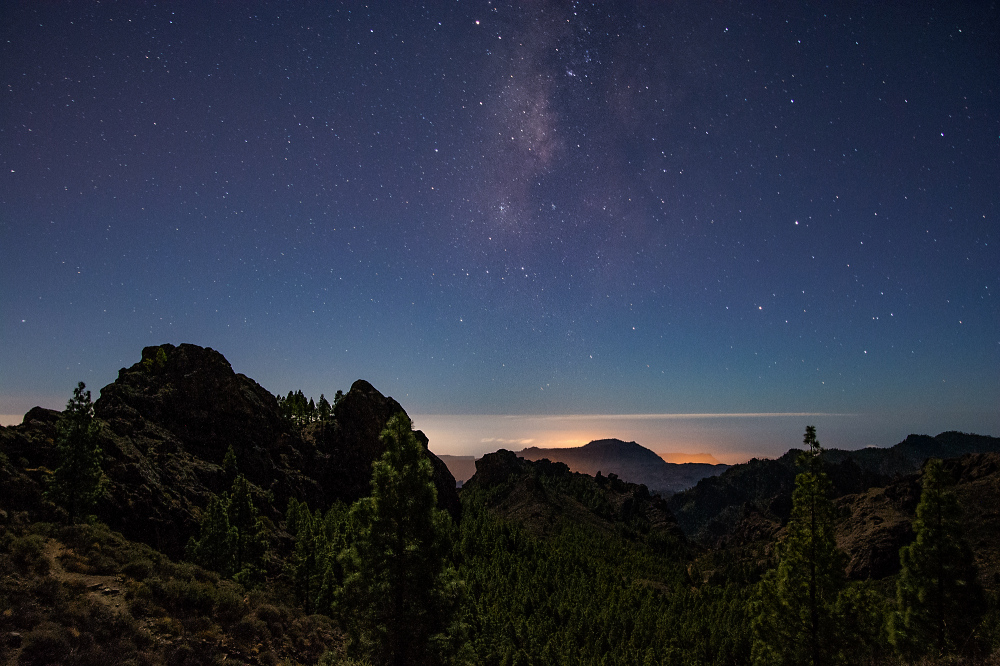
[715, 509]
[630, 461]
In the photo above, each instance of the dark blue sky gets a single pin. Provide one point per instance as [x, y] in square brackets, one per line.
[495, 208]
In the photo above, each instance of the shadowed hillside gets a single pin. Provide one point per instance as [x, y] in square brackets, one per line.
[752, 500]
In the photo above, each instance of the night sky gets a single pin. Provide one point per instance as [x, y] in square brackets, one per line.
[528, 209]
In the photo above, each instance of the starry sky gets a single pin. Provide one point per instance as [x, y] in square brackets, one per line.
[736, 213]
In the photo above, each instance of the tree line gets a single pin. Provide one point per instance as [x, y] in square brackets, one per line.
[409, 586]
[296, 409]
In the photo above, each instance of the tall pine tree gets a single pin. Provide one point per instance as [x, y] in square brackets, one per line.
[939, 599]
[797, 623]
[399, 585]
[77, 482]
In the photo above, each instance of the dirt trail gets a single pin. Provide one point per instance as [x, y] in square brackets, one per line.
[105, 590]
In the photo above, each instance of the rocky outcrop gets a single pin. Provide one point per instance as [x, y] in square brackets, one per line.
[166, 423]
[878, 522]
[875, 523]
[545, 495]
[352, 444]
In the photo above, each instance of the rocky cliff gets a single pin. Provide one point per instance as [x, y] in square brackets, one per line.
[876, 491]
[165, 425]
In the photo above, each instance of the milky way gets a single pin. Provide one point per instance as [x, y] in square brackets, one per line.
[488, 208]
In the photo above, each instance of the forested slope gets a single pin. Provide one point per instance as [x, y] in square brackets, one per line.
[223, 524]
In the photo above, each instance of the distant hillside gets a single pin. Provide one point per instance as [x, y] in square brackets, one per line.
[722, 507]
[630, 462]
[542, 495]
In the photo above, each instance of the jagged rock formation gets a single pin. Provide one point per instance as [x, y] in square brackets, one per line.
[165, 426]
[630, 461]
[543, 494]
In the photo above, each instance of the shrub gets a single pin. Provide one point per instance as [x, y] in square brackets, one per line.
[101, 564]
[140, 600]
[249, 631]
[272, 615]
[28, 552]
[49, 591]
[229, 604]
[138, 569]
[47, 643]
[188, 596]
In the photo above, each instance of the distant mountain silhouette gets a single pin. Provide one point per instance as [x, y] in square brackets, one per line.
[679, 458]
[723, 507]
[630, 462]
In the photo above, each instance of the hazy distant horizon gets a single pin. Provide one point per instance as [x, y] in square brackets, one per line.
[731, 438]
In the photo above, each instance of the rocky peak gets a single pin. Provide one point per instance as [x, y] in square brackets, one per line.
[545, 494]
[495, 468]
[166, 423]
[193, 393]
[354, 442]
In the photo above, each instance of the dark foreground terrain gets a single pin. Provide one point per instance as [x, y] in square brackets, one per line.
[231, 526]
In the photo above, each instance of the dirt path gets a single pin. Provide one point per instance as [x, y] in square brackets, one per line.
[105, 590]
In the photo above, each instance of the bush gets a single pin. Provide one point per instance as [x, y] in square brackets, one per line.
[49, 591]
[47, 643]
[248, 632]
[229, 605]
[188, 596]
[100, 564]
[140, 600]
[272, 615]
[28, 553]
[138, 569]
[330, 658]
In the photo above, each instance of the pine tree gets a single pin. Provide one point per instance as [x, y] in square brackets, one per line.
[251, 536]
[398, 581]
[939, 599]
[215, 548]
[229, 464]
[309, 561]
[797, 620]
[232, 537]
[293, 513]
[77, 482]
[325, 410]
